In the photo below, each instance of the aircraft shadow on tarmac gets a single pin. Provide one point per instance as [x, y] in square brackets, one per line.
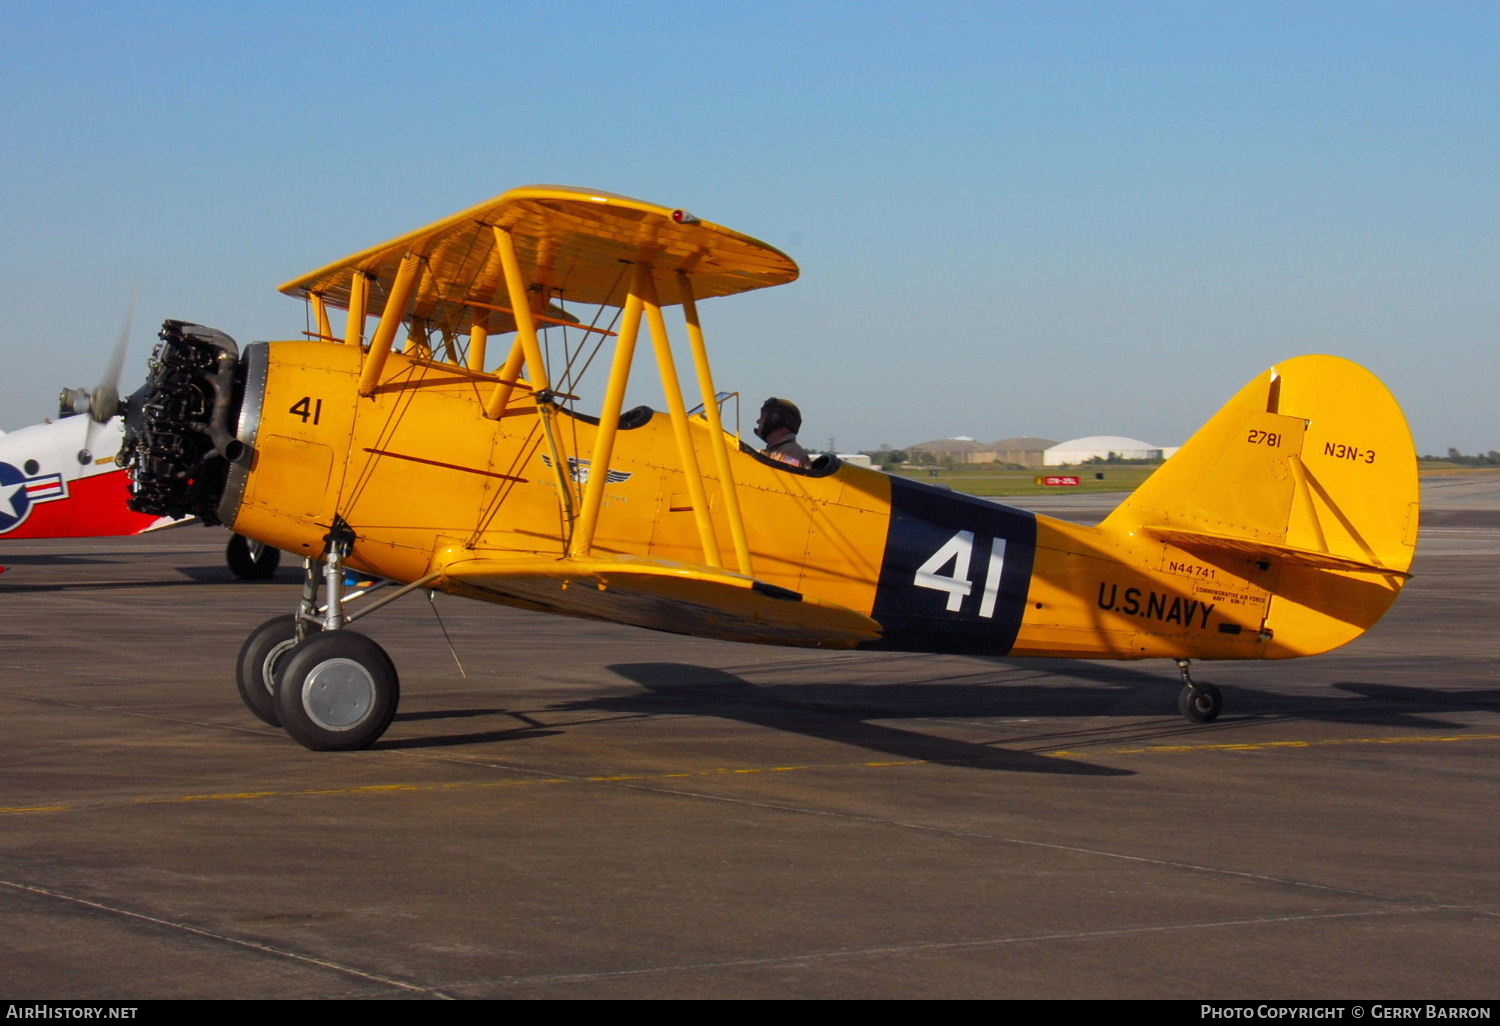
[839, 713]
[529, 729]
[681, 689]
[1016, 691]
[219, 574]
[1415, 702]
[1385, 705]
[17, 587]
[52, 559]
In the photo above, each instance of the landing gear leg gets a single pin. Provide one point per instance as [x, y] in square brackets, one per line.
[1200, 703]
[335, 689]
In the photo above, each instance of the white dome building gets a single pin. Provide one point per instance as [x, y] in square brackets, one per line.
[1101, 447]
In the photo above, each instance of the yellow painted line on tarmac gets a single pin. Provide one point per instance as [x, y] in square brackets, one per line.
[1261, 746]
[721, 771]
[40, 808]
[325, 792]
[451, 785]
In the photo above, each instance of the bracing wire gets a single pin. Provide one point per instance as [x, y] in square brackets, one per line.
[432, 604]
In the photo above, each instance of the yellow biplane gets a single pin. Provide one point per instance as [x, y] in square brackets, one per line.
[1285, 527]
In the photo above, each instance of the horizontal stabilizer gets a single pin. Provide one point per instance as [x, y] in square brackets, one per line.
[664, 595]
[1264, 550]
[1302, 488]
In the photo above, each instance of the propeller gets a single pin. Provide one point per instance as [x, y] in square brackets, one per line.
[104, 401]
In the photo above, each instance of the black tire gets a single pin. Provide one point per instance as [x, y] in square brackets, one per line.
[251, 560]
[337, 692]
[262, 657]
[1201, 703]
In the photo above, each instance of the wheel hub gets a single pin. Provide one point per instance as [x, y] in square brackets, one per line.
[269, 665]
[338, 694]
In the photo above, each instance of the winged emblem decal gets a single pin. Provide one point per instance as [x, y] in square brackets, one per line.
[579, 469]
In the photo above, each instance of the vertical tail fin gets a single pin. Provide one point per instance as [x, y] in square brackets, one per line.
[1304, 483]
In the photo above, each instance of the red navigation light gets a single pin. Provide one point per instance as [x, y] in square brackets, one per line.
[683, 217]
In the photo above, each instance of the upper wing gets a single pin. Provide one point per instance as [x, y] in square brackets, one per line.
[575, 243]
[663, 595]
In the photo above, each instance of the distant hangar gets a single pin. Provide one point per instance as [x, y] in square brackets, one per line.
[1042, 452]
[1102, 447]
[1023, 452]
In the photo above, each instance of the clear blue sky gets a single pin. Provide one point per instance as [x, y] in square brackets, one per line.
[1047, 218]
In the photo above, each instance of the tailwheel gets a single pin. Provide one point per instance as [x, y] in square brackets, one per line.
[1200, 703]
[336, 691]
[251, 560]
[261, 657]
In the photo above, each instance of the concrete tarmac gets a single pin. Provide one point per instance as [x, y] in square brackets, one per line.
[589, 811]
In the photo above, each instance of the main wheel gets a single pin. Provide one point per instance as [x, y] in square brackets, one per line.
[251, 560]
[337, 691]
[261, 656]
[1201, 703]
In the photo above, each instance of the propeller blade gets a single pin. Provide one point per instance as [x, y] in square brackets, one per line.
[104, 403]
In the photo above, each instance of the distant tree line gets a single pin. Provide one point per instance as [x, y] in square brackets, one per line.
[1116, 458]
[885, 456]
[1488, 459]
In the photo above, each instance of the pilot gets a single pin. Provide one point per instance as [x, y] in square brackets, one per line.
[779, 422]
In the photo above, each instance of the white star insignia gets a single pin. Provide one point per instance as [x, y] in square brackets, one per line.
[7, 494]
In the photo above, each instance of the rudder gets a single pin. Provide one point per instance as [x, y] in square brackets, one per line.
[1306, 484]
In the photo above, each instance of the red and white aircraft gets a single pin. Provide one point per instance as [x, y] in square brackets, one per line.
[59, 479]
